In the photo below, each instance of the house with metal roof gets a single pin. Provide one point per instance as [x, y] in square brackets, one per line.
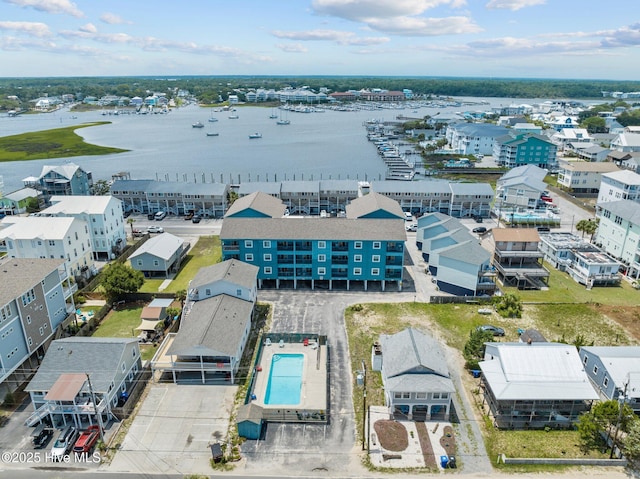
[76, 369]
[365, 246]
[35, 299]
[208, 200]
[626, 141]
[61, 180]
[433, 225]
[583, 177]
[215, 326]
[517, 258]
[103, 215]
[516, 149]
[474, 138]
[416, 380]
[618, 233]
[160, 255]
[462, 268]
[470, 200]
[520, 187]
[535, 385]
[66, 238]
[614, 372]
[619, 185]
[15, 203]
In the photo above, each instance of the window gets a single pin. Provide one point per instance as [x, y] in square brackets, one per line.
[586, 358]
[30, 342]
[156, 262]
[605, 382]
[322, 271]
[134, 352]
[322, 258]
[248, 243]
[124, 367]
[139, 262]
[266, 257]
[357, 258]
[375, 258]
[421, 395]
[357, 245]
[375, 271]
[267, 270]
[266, 244]
[595, 370]
[322, 244]
[357, 271]
[377, 245]
[248, 257]
[29, 319]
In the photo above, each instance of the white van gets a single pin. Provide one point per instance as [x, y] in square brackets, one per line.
[160, 215]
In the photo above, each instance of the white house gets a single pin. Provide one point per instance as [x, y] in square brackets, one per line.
[626, 141]
[104, 216]
[474, 138]
[619, 185]
[50, 237]
[520, 187]
[583, 176]
[619, 233]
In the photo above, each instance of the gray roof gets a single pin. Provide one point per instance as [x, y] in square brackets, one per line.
[163, 246]
[66, 170]
[480, 129]
[536, 371]
[269, 187]
[329, 229]
[19, 275]
[625, 209]
[22, 193]
[431, 218]
[530, 171]
[468, 252]
[372, 202]
[101, 358]
[260, 202]
[622, 364]
[339, 185]
[413, 358]
[301, 186]
[391, 186]
[153, 186]
[234, 271]
[214, 327]
[131, 185]
[532, 182]
[465, 189]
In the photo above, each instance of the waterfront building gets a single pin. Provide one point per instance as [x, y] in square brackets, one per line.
[16, 202]
[365, 246]
[512, 150]
[35, 299]
[474, 138]
[61, 180]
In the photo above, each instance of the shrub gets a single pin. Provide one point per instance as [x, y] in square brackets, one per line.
[9, 399]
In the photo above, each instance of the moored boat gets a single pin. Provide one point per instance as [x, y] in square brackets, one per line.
[255, 135]
[213, 133]
[197, 124]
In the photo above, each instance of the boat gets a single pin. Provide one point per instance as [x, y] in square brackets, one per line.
[213, 119]
[273, 115]
[213, 133]
[197, 124]
[234, 117]
[255, 135]
[283, 121]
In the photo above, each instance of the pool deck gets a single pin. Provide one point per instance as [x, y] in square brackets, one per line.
[314, 379]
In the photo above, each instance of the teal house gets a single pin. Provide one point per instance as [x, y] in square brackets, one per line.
[363, 249]
[513, 150]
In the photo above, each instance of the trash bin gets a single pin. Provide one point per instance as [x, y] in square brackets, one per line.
[476, 373]
[452, 462]
[444, 461]
[216, 452]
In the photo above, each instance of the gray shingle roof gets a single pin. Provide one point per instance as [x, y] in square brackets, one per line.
[268, 187]
[234, 271]
[260, 202]
[101, 358]
[372, 202]
[18, 275]
[468, 252]
[214, 326]
[328, 229]
[431, 186]
[465, 189]
[625, 209]
[163, 246]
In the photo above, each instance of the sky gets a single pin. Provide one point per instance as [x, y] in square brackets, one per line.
[564, 39]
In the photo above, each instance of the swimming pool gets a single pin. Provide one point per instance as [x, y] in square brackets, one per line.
[285, 379]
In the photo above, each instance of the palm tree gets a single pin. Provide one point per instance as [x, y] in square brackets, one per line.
[131, 221]
[589, 226]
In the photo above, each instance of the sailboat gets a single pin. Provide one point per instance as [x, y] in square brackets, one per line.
[273, 115]
[282, 121]
[212, 119]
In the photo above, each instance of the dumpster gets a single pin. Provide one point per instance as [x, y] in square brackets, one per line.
[452, 462]
[444, 461]
[216, 452]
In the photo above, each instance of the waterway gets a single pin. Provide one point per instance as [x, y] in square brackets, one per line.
[327, 145]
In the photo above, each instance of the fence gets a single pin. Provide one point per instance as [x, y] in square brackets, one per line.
[144, 377]
[460, 299]
[562, 461]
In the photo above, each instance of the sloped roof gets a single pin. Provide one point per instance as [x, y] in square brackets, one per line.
[71, 205]
[622, 364]
[372, 202]
[536, 371]
[468, 252]
[22, 194]
[517, 235]
[260, 202]
[101, 358]
[232, 270]
[19, 275]
[163, 246]
[67, 170]
[624, 176]
[625, 209]
[213, 327]
[34, 227]
[531, 171]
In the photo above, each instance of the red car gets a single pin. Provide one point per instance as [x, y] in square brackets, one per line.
[87, 439]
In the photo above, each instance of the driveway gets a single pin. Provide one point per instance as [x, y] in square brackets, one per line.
[173, 428]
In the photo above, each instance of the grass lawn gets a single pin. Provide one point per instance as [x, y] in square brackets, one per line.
[56, 143]
[147, 351]
[206, 252]
[120, 324]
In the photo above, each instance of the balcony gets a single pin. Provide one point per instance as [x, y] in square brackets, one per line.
[285, 259]
[340, 259]
[282, 246]
[340, 247]
[304, 259]
[231, 248]
[303, 246]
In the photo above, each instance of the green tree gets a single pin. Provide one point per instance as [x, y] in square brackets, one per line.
[118, 279]
[508, 305]
[474, 348]
[594, 124]
[130, 221]
[603, 418]
[232, 196]
[101, 188]
[181, 295]
[33, 205]
[173, 312]
[589, 226]
[631, 447]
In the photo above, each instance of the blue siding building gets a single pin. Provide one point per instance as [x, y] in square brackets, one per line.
[367, 245]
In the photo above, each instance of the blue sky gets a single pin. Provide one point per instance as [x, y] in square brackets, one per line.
[579, 39]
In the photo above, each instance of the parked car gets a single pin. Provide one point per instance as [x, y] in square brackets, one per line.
[411, 227]
[64, 442]
[41, 435]
[160, 215]
[480, 229]
[151, 216]
[138, 233]
[478, 219]
[188, 216]
[87, 439]
[155, 229]
[126, 214]
[408, 216]
[196, 219]
[495, 330]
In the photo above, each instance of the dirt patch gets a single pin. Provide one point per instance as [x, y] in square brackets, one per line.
[425, 445]
[626, 316]
[392, 435]
[448, 441]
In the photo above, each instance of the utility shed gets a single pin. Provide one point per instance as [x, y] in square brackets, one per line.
[249, 421]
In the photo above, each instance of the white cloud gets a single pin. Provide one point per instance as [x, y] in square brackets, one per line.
[361, 10]
[292, 47]
[89, 28]
[411, 26]
[35, 29]
[513, 4]
[113, 19]
[339, 37]
[50, 6]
